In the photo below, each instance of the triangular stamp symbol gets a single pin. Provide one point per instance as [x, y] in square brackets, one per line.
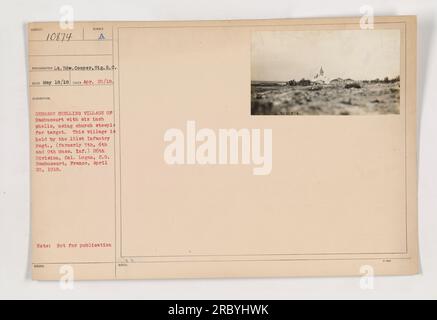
[101, 37]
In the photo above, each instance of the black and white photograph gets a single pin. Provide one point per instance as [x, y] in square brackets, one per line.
[327, 72]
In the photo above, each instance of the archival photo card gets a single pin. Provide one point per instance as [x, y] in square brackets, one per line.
[146, 162]
[326, 72]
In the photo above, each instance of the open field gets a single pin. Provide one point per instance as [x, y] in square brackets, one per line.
[362, 98]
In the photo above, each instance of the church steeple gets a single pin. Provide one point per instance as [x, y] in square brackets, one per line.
[321, 77]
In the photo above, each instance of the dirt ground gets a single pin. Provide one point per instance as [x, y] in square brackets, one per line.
[282, 99]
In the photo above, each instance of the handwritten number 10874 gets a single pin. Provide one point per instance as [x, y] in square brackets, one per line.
[59, 36]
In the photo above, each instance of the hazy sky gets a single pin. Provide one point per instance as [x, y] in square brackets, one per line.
[355, 54]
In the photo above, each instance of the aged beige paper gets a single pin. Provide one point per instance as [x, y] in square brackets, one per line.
[223, 148]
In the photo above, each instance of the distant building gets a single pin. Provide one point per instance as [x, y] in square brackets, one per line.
[337, 81]
[321, 77]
